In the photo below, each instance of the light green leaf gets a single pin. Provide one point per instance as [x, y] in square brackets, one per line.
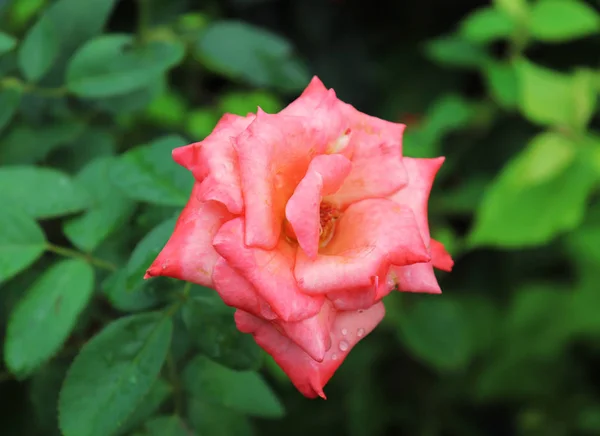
[516, 9]
[166, 426]
[536, 196]
[486, 25]
[112, 374]
[455, 52]
[242, 103]
[503, 83]
[61, 28]
[111, 65]
[148, 173]
[41, 192]
[22, 241]
[7, 43]
[211, 419]
[159, 392]
[108, 210]
[255, 55]
[551, 98]
[9, 103]
[559, 20]
[43, 320]
[435, 330]
[211, 327]
[242, 391]
[201, 122]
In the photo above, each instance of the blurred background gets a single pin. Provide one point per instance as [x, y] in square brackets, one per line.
[95, 93]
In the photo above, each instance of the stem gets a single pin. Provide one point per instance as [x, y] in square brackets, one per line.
[143, 19]
[5, 376]
[15, 82]
[176, 383]
[68, 252]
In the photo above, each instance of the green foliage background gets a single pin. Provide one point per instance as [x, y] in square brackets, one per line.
[94, 94]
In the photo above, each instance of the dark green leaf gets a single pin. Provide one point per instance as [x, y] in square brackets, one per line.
[558, 20]
[166, 426]
[44, 389]
[22, 241]
[159, 392]
[486, 25]
[210, 419]
[148, 173]
[212, 329]
[9, 102]
[43, 320]
[108, 210]
[456, 52]
[7, 43]
[503, 83]
[142, 295]
[60, 29]
[538, 195]
[111, 65]
[243, 391]
[252, 54]
[112, 374]
[41, 192]
[434, 329]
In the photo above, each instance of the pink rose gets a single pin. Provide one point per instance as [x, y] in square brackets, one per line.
[304, 221]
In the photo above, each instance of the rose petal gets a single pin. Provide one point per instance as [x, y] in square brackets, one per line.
[189, 254]
[309, 100]
[421, 173]
[236, 291]
[269, 271]
[213, 162]
[440, 258]
[308, 375]
[416, 278]
[324, 176]
[370, 236]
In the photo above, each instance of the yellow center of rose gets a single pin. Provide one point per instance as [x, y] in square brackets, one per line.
[328, 216]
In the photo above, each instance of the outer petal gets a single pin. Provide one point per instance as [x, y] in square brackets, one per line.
[269, 271]
[189, 254]
[309, 100]
[377, 168]
[416, 278]
[308, 375]
[325, 175]
[421, 173]
[440, 258]
[274, 154]
[214, 162]
[370, 236]
[236, 291]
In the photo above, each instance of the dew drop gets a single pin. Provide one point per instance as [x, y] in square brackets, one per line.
[344, 332]
[344, 345]
[334, 356]
[360, 333]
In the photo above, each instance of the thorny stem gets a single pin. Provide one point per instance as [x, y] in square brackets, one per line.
[67, 252]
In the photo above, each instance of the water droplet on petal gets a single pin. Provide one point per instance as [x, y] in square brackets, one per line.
[334, 356]
[360, 333]
[344, 332]
[344, 345]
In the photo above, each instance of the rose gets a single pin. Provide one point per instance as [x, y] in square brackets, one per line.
[303, 221]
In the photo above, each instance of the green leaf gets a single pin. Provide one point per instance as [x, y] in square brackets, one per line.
[7, 43]
[44, 388]
[148, 173]
[158, 394]
[448, 113]
[112, 65]
[542, 192]
[166, 426]
[455, 52]
[551, 98]
[9, 102]
[168, 108]
[211, 419]
[559, 20]
[211, 327]
[241, 103]
[41, 192]
[112, 374]
[201, 122]
[435, 330]
[140, 296]
[109, 208]
[516, 9]
[62, 27]
[257, 56]
[503, 83]
[486, 25]
[22, 241]
[243, 391]
[43, 320]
